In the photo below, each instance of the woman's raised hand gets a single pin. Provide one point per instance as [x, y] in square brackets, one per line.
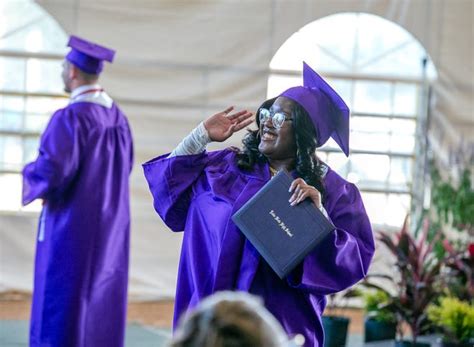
[222, 125]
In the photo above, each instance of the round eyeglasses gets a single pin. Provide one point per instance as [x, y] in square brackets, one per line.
[278, 118]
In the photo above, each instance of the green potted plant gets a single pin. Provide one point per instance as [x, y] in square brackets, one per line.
[456, 320]
[380, 321]
[459, 270]
[452, 207]
[415, 283]
[453, 204]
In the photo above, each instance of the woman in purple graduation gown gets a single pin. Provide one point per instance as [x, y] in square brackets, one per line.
[197, 192]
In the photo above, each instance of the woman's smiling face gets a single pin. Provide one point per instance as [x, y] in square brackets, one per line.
[278, 144]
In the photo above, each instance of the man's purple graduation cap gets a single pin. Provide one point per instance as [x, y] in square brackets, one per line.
[328, 112]
[88, 56]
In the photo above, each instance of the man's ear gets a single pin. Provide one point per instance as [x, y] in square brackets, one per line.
[73, 72]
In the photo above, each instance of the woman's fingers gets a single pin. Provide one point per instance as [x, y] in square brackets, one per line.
[302, 191]
[301, 197]
[222, 125]
[295, 183]
[296, 192]
[235, 116]
[302, 194]
[245, 117]
[227, 110]
[296, 187]
[296, 197]
[242, 124]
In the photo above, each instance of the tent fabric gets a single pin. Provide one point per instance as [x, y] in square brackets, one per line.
[180, 61]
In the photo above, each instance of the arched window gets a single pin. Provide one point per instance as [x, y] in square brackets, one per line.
[377, 67]
[32, 46]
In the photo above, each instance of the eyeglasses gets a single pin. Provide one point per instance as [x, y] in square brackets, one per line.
[278, 118]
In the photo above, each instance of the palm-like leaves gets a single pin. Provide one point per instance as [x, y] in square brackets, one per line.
[460, 272]
[417, 275]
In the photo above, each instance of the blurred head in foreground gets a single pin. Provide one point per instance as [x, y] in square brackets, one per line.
[230, 319]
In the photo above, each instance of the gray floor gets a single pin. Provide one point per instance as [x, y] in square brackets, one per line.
[15, 334]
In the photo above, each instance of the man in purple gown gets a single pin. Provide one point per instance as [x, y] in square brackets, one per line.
[82, 175]
[197, 192]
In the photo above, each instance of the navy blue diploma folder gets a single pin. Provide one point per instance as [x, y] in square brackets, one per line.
[282, 234]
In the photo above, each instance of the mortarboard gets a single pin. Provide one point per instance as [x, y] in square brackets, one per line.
[88, 56]
[328, 112]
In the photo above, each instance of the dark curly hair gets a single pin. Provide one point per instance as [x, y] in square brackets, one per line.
[308, 166]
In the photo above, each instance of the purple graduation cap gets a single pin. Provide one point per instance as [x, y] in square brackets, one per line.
[328, 112]
[88, 56]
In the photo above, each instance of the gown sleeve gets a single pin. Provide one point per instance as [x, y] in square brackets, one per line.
[57, 161]
[170, 180]
[132, 150]
[344, 256]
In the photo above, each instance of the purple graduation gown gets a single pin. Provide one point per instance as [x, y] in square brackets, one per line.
[200, 193]
[81, 267]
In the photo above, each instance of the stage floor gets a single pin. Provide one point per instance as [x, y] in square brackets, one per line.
[15, 334]
[149, 322]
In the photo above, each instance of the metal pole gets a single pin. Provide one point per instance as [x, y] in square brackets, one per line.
[421, 152]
